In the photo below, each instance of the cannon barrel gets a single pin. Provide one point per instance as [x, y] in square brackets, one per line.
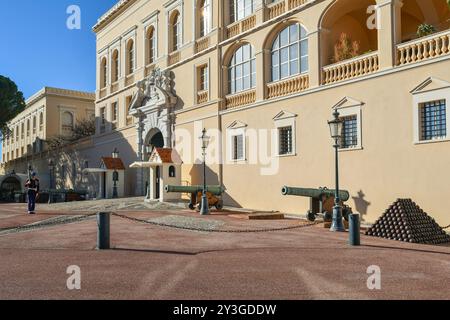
[215, 190]
[344, 195]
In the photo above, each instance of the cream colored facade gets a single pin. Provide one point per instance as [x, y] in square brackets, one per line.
[49, 113]
[382, 92]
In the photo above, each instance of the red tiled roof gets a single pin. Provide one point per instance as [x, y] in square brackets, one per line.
[167, 155]
[113, 163]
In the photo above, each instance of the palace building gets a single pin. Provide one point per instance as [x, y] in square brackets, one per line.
[263, 78]
[268, 75]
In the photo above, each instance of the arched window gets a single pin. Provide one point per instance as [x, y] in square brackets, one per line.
[290, 52]
[103, 73]
[242, 70]
[22, 131]
[239, 9]
[172, 172]
[67, 122]
[41, 121]
[130, 57]
[151, 45]
[176, 31]
[34, 124]
[115, 66]
[204, 11]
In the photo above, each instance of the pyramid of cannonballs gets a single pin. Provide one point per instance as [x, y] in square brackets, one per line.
[405, 221]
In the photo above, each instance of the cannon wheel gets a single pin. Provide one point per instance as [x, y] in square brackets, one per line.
[219, 205]
[311, 216]
[191, 206]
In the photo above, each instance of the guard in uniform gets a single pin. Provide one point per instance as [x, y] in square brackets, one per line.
[33, 190]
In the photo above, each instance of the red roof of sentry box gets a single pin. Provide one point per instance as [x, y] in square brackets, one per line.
[113, 163]
[166, 155]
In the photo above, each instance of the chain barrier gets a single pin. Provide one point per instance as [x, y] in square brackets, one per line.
[446, 227]
[43, 224]
[212, 230]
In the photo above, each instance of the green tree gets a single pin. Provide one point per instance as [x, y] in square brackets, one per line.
[11, 102]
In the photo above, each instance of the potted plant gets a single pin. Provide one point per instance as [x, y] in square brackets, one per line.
[425, 30]
[345, 48]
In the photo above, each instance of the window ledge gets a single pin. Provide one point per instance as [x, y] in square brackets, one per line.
[357, 148]
[286, 155]
[432, 141]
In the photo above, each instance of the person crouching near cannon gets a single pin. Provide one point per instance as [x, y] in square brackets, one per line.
[32, 185]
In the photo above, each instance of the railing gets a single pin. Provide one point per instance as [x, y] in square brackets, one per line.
[248, 23]
[174, 58]
[129, 80]
[114, 87]
[149, 68]
[276, 9]
[240, 99]
[102, 93]
[351, 68]
[202, 44]
[429, 47]
[296, 3]
[202, 96]
[241, 26]
[287, 86]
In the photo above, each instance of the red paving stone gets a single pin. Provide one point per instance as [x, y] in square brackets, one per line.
[150, 262]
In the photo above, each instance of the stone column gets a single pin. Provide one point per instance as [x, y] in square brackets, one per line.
[261, 71]
[314, 60]
[389, 31]
[140, 157]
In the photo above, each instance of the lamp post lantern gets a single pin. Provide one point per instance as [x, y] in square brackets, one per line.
[115, 153]
[204, 209]
[336, 133]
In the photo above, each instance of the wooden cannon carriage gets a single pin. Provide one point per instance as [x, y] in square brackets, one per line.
[213, 193]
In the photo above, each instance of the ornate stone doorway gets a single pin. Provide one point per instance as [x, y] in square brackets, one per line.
[153, 105]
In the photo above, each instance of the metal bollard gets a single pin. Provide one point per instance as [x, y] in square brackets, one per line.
[103, 222]
[354, 229]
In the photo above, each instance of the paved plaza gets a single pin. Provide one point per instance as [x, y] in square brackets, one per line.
[148, 261]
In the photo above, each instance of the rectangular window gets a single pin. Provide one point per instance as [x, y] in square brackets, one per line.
[433, 120]
[285, 140]
[102, 120]
[349, 132]
[127, 106]
[238, 147]
[114, 113]
[203, 78]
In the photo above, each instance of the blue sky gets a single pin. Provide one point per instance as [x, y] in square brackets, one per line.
[37, 49]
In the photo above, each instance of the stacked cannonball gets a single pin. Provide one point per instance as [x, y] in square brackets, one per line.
[405, 221]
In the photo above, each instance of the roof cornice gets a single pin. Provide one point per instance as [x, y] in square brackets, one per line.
[46, 91]
[111, 14]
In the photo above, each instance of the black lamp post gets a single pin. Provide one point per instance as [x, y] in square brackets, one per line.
[51, 168]
[204, 210]
[115, 155]
[336, 133]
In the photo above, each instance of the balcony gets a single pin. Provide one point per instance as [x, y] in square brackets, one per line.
[129, 80]
[202, 96]
[173, 58]
[149, 68]
[287, 86]
[240, 99]
[102, 93]
[115, 87]
[276, 9]
[351, 68]
[202, 44]
[425, 48]
[240, 26]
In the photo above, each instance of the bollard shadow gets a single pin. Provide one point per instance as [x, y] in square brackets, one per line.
[361, 204]
[155, 251]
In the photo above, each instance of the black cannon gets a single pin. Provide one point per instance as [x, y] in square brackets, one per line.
[321, 201]
[213, 193]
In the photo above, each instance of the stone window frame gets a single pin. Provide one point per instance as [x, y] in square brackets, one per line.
[152, 21]
[131, 34]
[432, 89]
[170, 7]
[62, 110]
[351, 107]
[197, 68]
[235, 129]
[281, 120]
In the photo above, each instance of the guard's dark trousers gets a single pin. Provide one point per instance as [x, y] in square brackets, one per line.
[31, 200]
